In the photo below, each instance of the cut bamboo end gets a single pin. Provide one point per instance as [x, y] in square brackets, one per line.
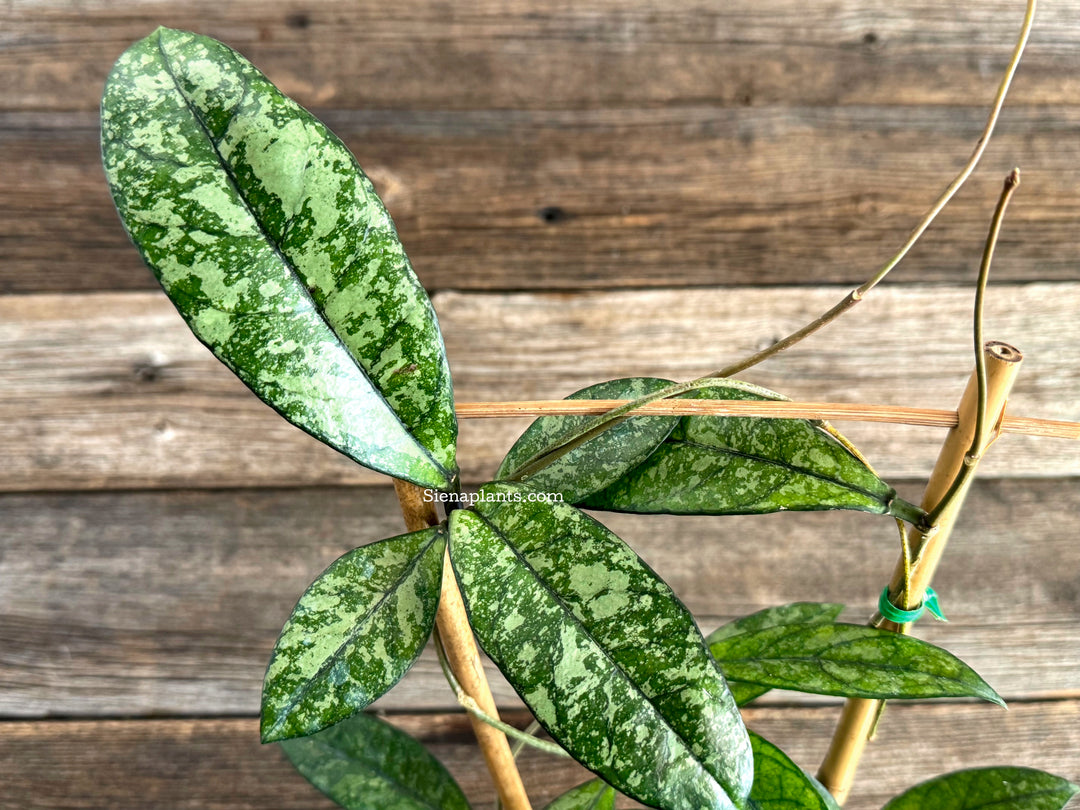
[856, 723]
[464, 658]
[1002, 365]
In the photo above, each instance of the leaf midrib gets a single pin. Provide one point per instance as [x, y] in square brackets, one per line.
[818, 659]
[782, 464]
[562, 603]
[309, 684]
[282, 256]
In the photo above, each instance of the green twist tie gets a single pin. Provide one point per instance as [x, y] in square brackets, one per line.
[898, 616]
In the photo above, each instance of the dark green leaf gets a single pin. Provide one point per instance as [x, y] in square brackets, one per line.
[792, 613]
[720, 465]
[984, 788]
[593, 795]
[366, 764]
[353, 634]
[600, 461]
[810, 612]
[275, 248]
[601, 650]
[780, 784]
[848, 660]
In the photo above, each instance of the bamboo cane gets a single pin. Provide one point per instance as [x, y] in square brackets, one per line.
[859, 715]
[464, 658]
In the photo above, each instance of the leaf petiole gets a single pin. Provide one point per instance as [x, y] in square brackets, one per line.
[470, 705]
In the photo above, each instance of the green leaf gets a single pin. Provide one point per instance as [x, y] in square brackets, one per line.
[848, 660]
[278, 253]
[366, 764]
[725, 465]
[791, 613]
[599, 461]
[354, 633]
[809, 612]
[780, 784]
[979, 788]
[597, 645]
[593, 795]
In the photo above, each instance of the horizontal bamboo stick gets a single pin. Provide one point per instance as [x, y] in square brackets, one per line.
[838, 411]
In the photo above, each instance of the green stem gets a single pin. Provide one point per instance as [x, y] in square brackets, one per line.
[967, 469]
[858, 294]
[472, 708]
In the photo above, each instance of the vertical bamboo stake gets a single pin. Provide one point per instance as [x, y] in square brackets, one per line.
[857, 720]
[464, 658]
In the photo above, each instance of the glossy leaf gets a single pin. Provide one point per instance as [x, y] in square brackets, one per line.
[985, 788]
[720, 465]
[366, 764]
[275, 248]
[354, 633]
[599, 461]
[593, 795]
[780, 784]
[847, 660]
[808, 612]
[608, 659]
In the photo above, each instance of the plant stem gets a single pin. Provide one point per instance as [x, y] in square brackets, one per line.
[464, 658]
[909, 582]
[858, 294]
[977, 441]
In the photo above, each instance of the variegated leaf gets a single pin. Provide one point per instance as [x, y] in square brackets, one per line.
[275, 248]
[808, 612]
[726, 465]
[608, 659]
[1002, 788]
[600, 461]
[354, 633]
[366, 764]
[847, 660]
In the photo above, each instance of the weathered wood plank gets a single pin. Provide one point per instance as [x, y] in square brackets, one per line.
[510, 200]
[219, 764]
[169, 602]
[112, 391]
[491, 54]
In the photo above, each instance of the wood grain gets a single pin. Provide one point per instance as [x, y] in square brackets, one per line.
[218, 763]
[155, 603]
[507, 200]
[112, 391]
[426, 54]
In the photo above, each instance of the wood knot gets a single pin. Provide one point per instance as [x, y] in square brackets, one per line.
[552, 214]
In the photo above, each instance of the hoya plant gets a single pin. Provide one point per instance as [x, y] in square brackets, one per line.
[276, 250]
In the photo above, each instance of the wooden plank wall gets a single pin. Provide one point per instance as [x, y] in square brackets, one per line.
[589, 190]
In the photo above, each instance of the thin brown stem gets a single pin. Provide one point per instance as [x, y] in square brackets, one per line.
[858, 294]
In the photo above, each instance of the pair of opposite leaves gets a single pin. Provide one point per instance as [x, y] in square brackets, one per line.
[276, 250]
